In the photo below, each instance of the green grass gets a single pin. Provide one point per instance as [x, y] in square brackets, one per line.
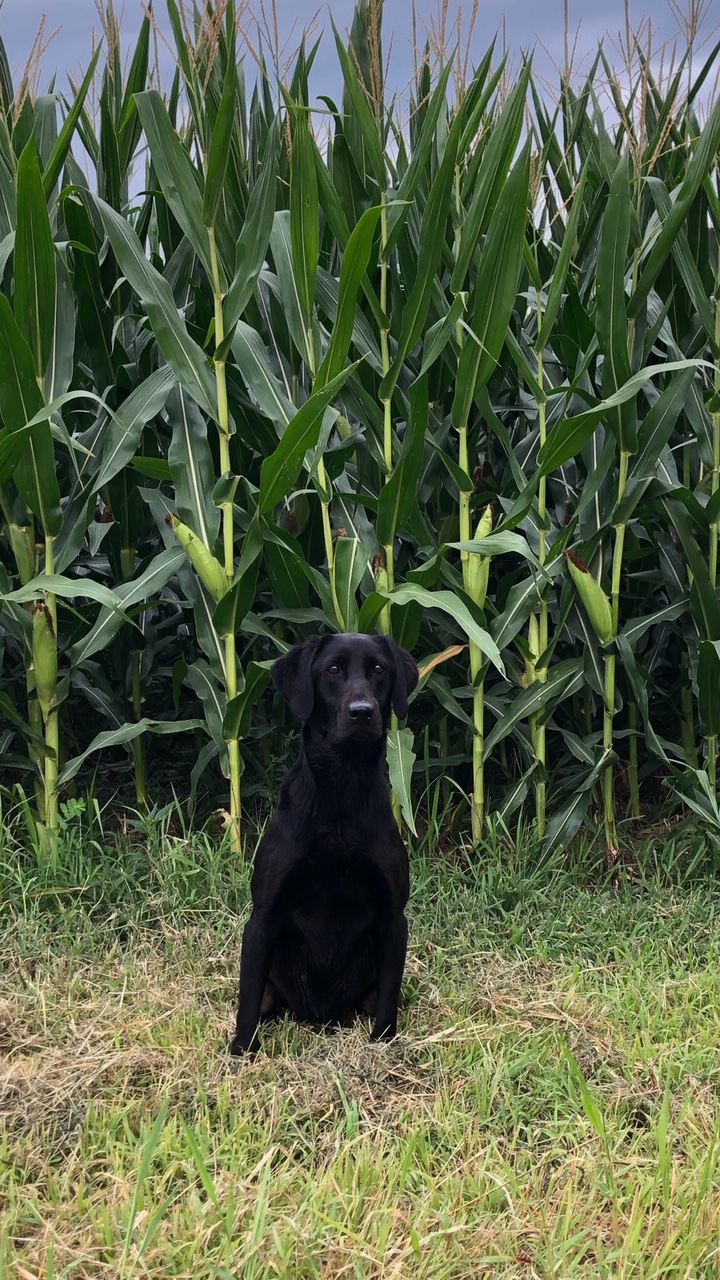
[550, 1107]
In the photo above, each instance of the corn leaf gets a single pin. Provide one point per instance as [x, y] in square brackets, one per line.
[34, 261]
[495, 290]
[254, 239]
[219, 153]
[350, 564]
[304, 213]
[179, 180]
[401, 758]
[700, 165]
[354, 265]
[279, 471]
[20, 400]
[185, 357]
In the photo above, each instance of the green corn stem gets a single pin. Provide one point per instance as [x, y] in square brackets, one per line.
[328, 541]
[22, 541]
[477, 807]
[715, 478]
[385, 621]
[477, 800]
[534, 721]
[223, 422]
[462, 430]
[687, 716]
[588, 718]
[465, 496]
[385, 333]
[463, 455]
[542, 532]
[712, 759]
[325, 508]
[538, 727]
[714, 483]
[52, 739]
[608, 778]
[477, 803]
[138, 751]
[127, 563]
[609, 711]
[443, 753]
[50, 763]
[329, 548]
[459, 332]
[618, 548]
[35, 721]
[633, 776]
[388, 549]
[476, 572]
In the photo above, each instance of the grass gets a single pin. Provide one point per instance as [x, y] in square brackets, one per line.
[550, 1107]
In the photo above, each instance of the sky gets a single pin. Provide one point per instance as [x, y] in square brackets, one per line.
[527, 22]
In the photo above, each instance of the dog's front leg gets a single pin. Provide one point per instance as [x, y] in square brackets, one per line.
[391, 949]
[255, 962]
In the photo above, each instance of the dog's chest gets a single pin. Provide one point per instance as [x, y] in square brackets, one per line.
[336, 879]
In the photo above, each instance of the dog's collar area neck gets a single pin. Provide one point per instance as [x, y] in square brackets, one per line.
[355, 752]
[348, 765]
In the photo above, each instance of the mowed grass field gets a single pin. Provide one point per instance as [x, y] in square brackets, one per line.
[550, 1107]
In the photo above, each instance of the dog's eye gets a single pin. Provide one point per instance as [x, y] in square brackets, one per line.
[378, 668]
[334, 670]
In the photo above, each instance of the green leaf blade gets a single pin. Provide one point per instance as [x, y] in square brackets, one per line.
[34, 258]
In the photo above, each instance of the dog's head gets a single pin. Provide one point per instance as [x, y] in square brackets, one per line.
[347, 684]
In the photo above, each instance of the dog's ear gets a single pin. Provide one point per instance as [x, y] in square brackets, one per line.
[293, 678]
[405, 678]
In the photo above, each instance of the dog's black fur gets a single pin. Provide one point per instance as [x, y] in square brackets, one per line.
[327, 935]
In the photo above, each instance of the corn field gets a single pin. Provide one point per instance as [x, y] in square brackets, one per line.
[272, 364]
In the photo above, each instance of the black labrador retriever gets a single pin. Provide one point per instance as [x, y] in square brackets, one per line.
[327, 935]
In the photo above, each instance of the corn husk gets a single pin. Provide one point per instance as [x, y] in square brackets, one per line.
[597, 605]
[534, 646]
[44, 645]
[477, 571]
[209, 570]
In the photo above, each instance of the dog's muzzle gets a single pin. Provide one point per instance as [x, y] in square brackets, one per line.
[360, 718]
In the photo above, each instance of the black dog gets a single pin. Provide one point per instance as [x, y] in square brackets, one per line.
[327, 935]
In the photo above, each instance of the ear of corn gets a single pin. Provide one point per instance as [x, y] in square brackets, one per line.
[24, 552]
[595, 602]
[533, 648]
[208, 569]
[478, 567]
[44, 657]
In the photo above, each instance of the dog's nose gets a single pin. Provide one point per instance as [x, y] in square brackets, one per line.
[360, 710]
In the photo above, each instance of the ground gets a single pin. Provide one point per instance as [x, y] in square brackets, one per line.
[549, 1109]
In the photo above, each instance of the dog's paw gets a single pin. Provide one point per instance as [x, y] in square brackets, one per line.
[383, 1034]
[239, 1049]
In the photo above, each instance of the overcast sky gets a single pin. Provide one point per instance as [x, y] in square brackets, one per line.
[526, 22]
